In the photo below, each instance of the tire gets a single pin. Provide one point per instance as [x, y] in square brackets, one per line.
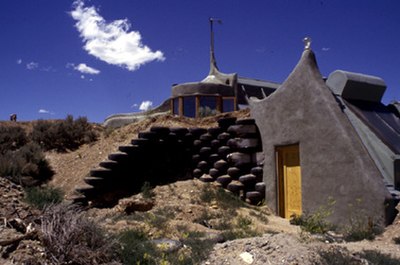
[205, 152]
[118, 157]
[203, 166]
[206, 138]
[224, 137]
[160, 130]
[226, 122]
[196, 132]
[254, 197]
[224, 180]
[197, 173]
[221, 165]
[148, 135]
[206, 178]
[101, 173]
[235, 187]
[213, 158]
[258, 172]
[260, 187]
[248, 179]
[234, 172]
[179, 131]
[214, 173]
[214, 131]
[245, 122]
[223, 151]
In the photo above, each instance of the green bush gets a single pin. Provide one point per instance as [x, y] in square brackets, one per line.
[41, 197]
[12, 138]
[147, 190]
[315, 223]
[136, 248]
[63, 135]
[361, 228]
[360, 225]
[26, 166]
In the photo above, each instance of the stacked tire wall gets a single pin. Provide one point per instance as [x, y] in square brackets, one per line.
[226, 154]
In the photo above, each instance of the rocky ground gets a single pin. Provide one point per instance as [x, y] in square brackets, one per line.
[179, 211]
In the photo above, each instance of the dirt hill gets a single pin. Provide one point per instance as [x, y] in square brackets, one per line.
[187, 218]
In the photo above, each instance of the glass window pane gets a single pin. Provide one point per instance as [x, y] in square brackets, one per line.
[228, 104]
[175, 103]
[208, 106]
[189, 106]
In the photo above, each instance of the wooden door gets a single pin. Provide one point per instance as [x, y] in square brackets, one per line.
[289, 180]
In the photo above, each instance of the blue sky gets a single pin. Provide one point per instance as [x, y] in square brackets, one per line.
[96, 58]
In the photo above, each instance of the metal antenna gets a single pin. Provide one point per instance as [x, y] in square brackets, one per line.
[213, 62]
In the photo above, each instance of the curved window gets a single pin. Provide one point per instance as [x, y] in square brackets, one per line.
[228, 104]
[208, 106]
[175, 106]
[189, 107]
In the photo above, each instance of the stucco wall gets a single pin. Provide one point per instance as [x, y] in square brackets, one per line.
[333, 161]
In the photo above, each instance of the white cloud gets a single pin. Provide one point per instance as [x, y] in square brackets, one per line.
[32, 66]
[19, 61]
[146, 105]
[112, 42]
[44, 111]
[83, 68]
[325, 49]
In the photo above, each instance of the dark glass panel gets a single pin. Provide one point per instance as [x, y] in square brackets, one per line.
[228, 104]
[189, 106]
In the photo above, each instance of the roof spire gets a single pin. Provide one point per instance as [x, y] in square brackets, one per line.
[213, 62]
[307, 43]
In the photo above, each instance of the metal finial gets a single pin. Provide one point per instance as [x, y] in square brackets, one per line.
[307, 43]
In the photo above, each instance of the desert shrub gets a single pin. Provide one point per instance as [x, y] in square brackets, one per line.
[224, 198]
[41, 197]
[136, 248]
[336, 256]
[26, 166]
[71, 238]
[360, 226]
[377, 258]
[240, 228]
[147, 190]
[63, 135]
[12, 138]
[316, 222]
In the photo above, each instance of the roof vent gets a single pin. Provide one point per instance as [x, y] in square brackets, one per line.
[356, 86]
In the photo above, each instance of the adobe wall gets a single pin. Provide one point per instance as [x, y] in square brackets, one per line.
[333, 161]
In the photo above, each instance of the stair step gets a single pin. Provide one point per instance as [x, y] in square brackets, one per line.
[129, 149]
[109, 164]
[101, 173]
[93, 181]
[118, 157]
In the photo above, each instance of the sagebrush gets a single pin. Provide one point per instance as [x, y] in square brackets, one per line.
[63, 135]
[71, 238]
